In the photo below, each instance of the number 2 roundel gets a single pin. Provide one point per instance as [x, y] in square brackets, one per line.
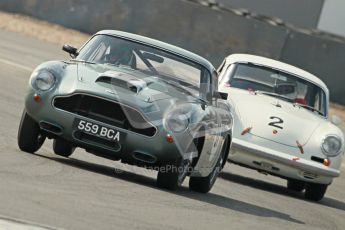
[276, 122]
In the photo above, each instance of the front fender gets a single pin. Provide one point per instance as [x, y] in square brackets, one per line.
[314, 144]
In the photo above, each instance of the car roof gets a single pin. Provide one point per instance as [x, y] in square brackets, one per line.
[161, 45]
[277, 65]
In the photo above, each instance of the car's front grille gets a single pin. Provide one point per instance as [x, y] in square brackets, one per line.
[108, 112]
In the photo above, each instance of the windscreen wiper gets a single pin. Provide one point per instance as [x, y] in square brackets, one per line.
[82, 61]
[309, 108]
[273, 95]
[120, 65]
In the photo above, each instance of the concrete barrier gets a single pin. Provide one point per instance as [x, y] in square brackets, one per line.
[213, 33]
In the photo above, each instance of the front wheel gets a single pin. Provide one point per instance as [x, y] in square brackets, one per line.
[172, 175]
[205, 184]
[29, 137]
[315, 192]
[295, 185]
[62, 147]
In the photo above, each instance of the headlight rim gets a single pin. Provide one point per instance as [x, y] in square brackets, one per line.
[186, 126]
[327, 153]
[35, 77]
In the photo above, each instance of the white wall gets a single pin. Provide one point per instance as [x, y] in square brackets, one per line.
[332, 17]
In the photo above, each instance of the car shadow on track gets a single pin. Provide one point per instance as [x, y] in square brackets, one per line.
[103, 170]
[274, 188]
[236, 205]
[210, 198]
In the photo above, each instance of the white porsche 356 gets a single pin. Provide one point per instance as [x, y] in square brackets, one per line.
[281, 123]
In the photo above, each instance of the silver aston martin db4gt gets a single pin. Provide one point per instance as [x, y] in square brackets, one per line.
[131, 98]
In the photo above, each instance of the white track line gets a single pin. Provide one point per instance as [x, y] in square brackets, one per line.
[7, 224]
[16, 65]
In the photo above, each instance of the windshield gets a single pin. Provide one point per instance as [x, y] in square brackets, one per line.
[281, 85]
[113, 51]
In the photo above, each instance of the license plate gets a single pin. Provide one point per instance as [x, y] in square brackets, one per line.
[97, 130]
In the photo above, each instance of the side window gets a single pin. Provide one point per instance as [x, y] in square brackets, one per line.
[322, 103]
[317, 101]
[224, 77]
[99, 52]
[205, 86]
[214, 81]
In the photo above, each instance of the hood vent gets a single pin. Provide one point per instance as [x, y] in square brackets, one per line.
[133, 85]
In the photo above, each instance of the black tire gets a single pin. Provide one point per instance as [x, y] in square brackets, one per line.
[295, 185]
[167, 180]
[29, 137]
[315, 192]
[227, 151]
[205, 184]
[172, 175]
[63, 148]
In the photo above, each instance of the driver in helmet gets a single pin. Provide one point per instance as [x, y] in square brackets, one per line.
[120, 54]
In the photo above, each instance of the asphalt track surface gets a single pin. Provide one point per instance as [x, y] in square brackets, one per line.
[87, 192]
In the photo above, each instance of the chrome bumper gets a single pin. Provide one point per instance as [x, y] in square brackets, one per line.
[285, 159]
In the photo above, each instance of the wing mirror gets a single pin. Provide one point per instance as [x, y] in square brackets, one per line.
[220, 95]
[73, 52]
[336, 120]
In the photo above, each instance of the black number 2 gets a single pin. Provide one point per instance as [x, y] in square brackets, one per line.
[276, 122]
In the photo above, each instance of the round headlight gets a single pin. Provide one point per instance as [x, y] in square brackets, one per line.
[177, 122]
[43, 80]
[331, 146]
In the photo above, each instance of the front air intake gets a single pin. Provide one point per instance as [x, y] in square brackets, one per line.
[309, 175]
[106, 111]
[146, 158]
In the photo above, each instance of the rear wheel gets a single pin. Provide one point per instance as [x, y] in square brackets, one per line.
[29, 137]
[205, 184]
[315, 192]
[62, 147]
[295, 185]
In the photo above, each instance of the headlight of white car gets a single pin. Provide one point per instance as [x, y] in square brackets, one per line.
[43, 80]
[177, 122]
[331, 145]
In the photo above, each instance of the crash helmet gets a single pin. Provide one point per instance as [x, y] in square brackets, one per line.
[120, 54]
